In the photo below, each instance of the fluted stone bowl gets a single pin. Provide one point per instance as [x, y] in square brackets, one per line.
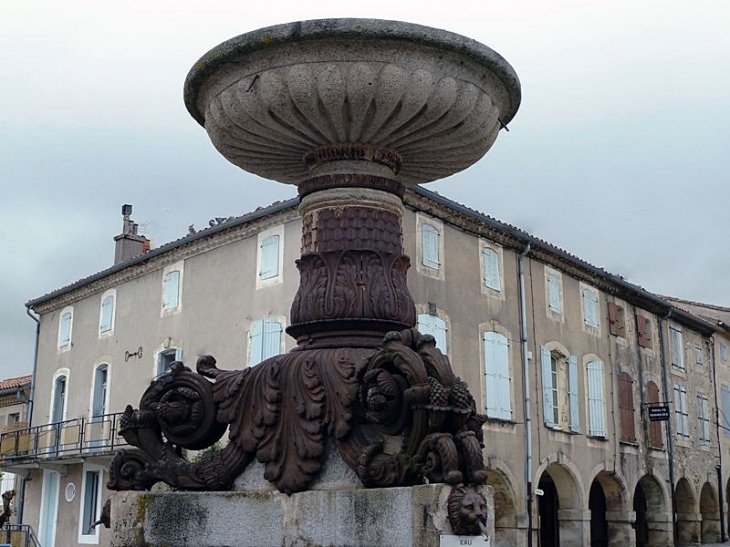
[418, 103]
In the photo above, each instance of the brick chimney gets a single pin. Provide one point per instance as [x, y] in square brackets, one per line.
[129, 243]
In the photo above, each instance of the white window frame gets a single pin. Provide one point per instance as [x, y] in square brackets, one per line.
[93, 537]
[64, 343]
[493, 276]
[703, 418]
[436, 268]
[497, 375]
[676, 347]
[699, 360]
[104, 363]
[590, 300]
[681, 412]
[724, 418]
[167, 308]
[267, 347]
[554, 309]
[553, 358]
[67, 374]
[261, 281]
[173, 350]
[111, 293]
[596, 398]
[436, 326]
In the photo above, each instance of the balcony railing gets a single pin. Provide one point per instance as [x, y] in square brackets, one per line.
[79, 437]
[18, 535]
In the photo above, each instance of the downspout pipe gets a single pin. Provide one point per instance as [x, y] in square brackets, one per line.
[526, 387]
[670, 438]
[718, 467]
[31, 399]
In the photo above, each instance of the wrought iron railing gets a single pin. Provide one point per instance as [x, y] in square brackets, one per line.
[71, 437]
[19, 535]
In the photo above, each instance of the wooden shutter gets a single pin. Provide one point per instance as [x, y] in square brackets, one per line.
[497, 376]
[547, 387]
[491, 269]
[613, 326]
[271, 345]
[430, 246]
[642, 331]
[553, 293]
[703, 418]
[269, 257]
[685, 411]
[573, 394]
[626, 404]
[725, 421]
[596, 399]
[256, 343]
[171, 290]
[590, 307]
[107, 308]
[64, 336]
[655, 428]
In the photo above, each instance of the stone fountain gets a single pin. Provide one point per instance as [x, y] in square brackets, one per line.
[362, 435]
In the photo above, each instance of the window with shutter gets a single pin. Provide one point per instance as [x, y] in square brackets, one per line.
[271, 344]
[269, 257]
[681, 411]
[677, 347]
[596, 399]
[256, 343]
[573, 404]
[64, 329]
[590, 308]
[430, 246]
[616, 321]
[703, 418]
[643, 331]
[655, 428]
[553, 284]
[698, 355]
[497, 376]
[107, 313]
[171, 290]
[436, 327]
[626, 404]
[492, 277]
[725, 411]
[723, 353]
[549, 389]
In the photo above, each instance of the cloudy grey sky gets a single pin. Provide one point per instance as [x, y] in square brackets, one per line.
[618, 153]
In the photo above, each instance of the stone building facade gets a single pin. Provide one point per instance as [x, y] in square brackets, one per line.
[564, 358]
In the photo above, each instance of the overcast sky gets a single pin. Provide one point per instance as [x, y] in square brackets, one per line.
[618, 154]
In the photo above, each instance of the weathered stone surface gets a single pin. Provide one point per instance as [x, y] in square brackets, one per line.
[418, 102]
[396, 517]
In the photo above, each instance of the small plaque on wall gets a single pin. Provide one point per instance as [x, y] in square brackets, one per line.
[458, 541]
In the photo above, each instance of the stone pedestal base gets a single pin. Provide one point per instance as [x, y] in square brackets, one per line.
[397, 517]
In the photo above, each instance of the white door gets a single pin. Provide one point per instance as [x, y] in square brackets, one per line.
[49, 508]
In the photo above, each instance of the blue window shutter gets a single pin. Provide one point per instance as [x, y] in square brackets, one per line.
[171, 290]
[596, 400]
[573, 394]
[107, 309]
[270, 257]
[430, 246]
[497, 376]
[491, 375]
[590, 307]
[178, 355]
[440, 334]
[271, 345]
[553, 293]
[725, 423]
[547, 386]
[100, 387]
[685, 412]
[256, 341]
[491, 269]
[64, 336]
[425, 324]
